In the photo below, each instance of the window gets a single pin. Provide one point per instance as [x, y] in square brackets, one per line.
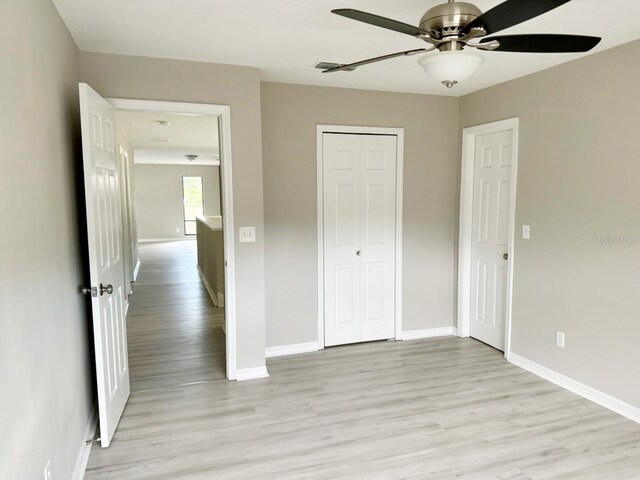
[193, 201]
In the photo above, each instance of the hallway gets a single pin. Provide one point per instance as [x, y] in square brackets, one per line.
[175, 334]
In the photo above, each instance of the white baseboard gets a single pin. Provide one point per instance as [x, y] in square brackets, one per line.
[243, 374]
[136, 270]
[294, 349]
[173, 239]
[585, 391]
[83, 454]
[429, 333]
[205, 282]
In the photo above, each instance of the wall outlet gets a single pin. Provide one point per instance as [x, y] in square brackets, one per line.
[177, 229]
[560, 339]
[247, 234]
[526, 232]
[47, 471]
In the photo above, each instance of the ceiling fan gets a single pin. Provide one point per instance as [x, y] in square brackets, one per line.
[453, 26]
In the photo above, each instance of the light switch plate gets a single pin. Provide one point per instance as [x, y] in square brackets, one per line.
[526, 232]
[247, 234]
[560, 339]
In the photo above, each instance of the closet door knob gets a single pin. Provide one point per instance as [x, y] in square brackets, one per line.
[358, 253]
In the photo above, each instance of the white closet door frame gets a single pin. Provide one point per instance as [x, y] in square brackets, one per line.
[466, 220]
[399, 133]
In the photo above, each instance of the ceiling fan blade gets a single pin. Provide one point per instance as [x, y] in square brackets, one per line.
[544, 43]
[379, 21]
[353, 66]
[512, 12]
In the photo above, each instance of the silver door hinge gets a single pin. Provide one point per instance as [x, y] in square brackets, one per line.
[93, 291]
[96, 438]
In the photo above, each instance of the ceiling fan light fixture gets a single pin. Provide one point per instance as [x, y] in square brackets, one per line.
[450, 68]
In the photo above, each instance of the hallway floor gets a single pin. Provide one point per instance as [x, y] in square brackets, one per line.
[174, 331]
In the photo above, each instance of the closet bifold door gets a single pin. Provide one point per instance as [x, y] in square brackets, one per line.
[377, 236]
[359, 237]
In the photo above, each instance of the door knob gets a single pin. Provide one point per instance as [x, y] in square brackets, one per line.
[505, 256]
[358, 253]
[108, 289]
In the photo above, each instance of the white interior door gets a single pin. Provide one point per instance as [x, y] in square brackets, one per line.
[106, 262]
[359, 191]
[490, 237]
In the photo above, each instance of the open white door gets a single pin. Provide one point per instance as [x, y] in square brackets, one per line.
[106, 264]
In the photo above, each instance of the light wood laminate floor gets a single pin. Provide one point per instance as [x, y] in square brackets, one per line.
[174, 331]
[445, 408]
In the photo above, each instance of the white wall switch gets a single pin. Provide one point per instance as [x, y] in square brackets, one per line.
[560, 339]
[247, 234]
[47, 471]
[526, 232]
[177, 229]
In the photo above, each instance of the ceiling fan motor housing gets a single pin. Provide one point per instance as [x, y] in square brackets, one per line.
[448, 19]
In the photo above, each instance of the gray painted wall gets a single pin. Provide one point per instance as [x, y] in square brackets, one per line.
[158, 194]
[290, 114]
[144, 78]
[578, 177]
[46, 384]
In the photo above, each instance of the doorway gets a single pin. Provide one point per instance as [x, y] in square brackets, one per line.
[222, 114]
[359, 234]
[487, 232]
[113, 224]
[175, 326]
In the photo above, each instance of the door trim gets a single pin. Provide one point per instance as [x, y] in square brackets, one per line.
[399, 133]
[223, 113]
[466, 219]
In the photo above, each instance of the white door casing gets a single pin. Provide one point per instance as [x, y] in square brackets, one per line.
[487, 228]
[359, 183]
[106, 260]
[223, 114]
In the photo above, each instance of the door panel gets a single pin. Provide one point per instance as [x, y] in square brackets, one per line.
[359, 237]
[378, 223]
[374, 292]
[346, 295]
[491, 206]
[342, 238]
[106, 266]
[345, 214]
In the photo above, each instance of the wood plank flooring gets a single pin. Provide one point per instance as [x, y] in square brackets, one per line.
[174, 331]
[444, 408]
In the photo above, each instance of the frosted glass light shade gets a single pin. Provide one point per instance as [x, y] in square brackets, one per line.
[454, 66]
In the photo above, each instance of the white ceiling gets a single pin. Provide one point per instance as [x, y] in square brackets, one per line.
[168, 144]
[171, 156]
[286, 38]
